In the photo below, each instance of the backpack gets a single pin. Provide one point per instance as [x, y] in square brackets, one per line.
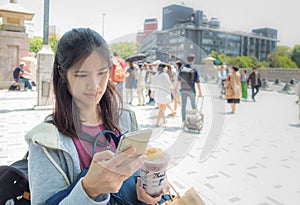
[118, 74]
[14, 87]
[187, 78]
[14, 184]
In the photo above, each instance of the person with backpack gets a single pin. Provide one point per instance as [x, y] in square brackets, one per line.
[118, 70]
[61, 166]
[188, 77]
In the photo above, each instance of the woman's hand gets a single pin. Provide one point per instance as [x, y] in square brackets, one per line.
[146, 198]
[107, 173]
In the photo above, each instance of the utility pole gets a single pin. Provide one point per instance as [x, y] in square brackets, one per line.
[46, 23]
[45, 58]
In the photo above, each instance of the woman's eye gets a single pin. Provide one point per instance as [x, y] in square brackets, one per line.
[102, 72]
[80, 75]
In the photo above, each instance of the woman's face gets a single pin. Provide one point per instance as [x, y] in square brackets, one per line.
[165, 69]
[87, 81]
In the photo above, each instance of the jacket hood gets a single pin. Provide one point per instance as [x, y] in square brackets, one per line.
[45, 134]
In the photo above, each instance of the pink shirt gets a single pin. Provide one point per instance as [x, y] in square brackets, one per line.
[85, 149]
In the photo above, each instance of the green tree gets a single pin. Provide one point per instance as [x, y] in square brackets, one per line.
[221, 57]
[284, 51]
[295, 55]
[273, 60]
[53, 42]
[230, 60]
[124, 48]
[278, 61]
[263, 64]
[218, 56]
[213, 54]
[286, 62]
[35, 44]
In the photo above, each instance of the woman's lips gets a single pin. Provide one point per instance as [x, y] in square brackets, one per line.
[91, 95]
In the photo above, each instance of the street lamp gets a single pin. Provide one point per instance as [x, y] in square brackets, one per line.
[46, 23]
[103, 14]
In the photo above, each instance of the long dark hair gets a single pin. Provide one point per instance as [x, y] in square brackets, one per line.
[74, 47]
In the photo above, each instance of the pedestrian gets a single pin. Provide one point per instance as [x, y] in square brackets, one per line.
[244, 84]
[161, 88]
[255, 80]
[129, 82]
[169, 71]
[233, 88]
[118, 72]
[222, 77]
[177, 102]
[22, 76]
[85, 102]
[150, 73]
[141, 84]
[298, 93]
[188, 77]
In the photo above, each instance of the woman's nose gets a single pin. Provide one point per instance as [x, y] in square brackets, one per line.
[93, 82]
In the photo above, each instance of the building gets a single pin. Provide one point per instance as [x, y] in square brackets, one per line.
[14, 42]
[150, 25]
[186, 31]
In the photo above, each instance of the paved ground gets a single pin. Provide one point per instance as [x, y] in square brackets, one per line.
[255, 160]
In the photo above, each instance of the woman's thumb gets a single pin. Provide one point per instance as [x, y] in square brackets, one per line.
[103, 156]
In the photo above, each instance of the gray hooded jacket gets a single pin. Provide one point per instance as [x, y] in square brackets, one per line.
[53, 165]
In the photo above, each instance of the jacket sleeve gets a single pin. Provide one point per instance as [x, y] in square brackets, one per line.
[249, 78]
[45, 180]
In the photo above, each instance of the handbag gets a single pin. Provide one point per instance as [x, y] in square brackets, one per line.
[190, 197]
[229, 92]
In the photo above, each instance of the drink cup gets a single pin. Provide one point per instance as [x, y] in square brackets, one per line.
[153, 172]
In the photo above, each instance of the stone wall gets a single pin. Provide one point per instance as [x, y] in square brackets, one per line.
[13, 46]
[284, 74]
[270, 74]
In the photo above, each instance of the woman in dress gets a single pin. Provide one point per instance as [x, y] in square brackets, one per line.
[162, 89]
[233, 88]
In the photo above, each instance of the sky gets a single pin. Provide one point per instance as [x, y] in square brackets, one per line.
[123, 17]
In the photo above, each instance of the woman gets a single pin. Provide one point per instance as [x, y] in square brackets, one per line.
[129, 82]
[85, 103]
[168, 70]
[141, 84]
[233, 88]
[244, 85]
[162, 89]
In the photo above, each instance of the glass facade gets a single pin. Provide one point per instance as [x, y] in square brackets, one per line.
[189, 33]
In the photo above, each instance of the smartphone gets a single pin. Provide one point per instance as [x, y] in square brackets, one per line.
[137, 139]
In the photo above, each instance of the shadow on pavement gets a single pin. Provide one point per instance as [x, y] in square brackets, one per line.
[295, 125]
[16, 110]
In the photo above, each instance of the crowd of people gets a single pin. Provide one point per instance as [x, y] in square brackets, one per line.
[234, 84]
[88, 97]
[166, 85]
